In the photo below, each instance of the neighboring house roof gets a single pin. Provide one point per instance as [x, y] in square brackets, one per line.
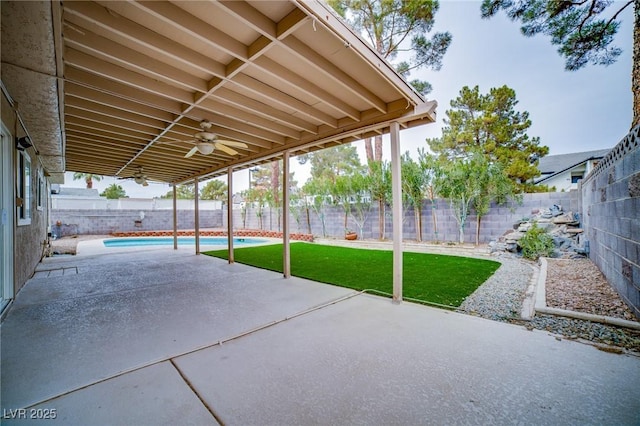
[552, 165]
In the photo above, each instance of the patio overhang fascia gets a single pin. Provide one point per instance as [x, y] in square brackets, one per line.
[322, 10]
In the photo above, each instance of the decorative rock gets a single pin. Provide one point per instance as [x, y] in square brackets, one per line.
[512, 247]
[514, 236]
[546, 214]
[568, 240]
[564, 218]
[562, 243]
[545, 225]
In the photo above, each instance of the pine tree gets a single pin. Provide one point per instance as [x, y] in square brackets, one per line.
[491, 125]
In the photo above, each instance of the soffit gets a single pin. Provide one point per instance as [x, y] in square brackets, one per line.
[275, 75]
[29, 74]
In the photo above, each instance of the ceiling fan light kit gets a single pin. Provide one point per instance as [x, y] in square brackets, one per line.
[205, 148]
[205, 142]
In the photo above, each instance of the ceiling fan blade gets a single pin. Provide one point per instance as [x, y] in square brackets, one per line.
[191, 152]
[225, 148]
[232, 143]
[145, 183]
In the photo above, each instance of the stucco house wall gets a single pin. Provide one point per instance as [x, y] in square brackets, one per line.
[31, 236]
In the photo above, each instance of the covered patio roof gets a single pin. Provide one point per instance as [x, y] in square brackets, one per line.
[103, 86]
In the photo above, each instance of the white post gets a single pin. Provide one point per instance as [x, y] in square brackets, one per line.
[286, 255]
[175, 218]
[230, 213]
[396, 190]
[196, 216]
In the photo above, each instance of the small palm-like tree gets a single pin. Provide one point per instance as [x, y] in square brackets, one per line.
[88, 178]
[114, 192]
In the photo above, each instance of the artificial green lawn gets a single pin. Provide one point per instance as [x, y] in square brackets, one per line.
[435, 278]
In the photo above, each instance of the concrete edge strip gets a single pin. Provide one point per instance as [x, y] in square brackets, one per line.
[541, 306]
[530, 296]
[199, 348]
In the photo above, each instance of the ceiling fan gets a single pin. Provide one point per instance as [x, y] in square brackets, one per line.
[205, 142]
[139, 177]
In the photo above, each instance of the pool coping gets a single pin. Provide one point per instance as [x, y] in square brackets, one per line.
[97, 247]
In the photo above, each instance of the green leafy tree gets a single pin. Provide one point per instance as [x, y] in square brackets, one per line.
[380, 190]
[266, 180]
[489, 124]
[260, 193]
[583, 31]
[328, 164]
[457, 180]
[244, 207]
[214, 190]
[114, 192]
[493, 185]
[329, 167]
[87, 177]
[183, 192]
[257, 196]
[360, 185]
[341, 192]
[394, 26]
[413, 189]
[299, 208]
[429, 167]
[317, 191]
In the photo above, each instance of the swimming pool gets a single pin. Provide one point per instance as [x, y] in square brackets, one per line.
[182, 241]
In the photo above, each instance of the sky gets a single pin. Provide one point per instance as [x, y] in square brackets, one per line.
[574, 111]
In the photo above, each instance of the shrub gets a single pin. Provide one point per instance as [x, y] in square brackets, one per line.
[535, 243]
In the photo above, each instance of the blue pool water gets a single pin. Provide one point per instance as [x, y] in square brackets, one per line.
[182, 241]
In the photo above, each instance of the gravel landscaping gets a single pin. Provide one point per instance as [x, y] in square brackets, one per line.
[500, 297]
[571, 284]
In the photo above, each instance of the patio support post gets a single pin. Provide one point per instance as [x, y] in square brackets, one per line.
[175, 218]
[396, 190]
[286, 255]
[196, 216]
[230, 213]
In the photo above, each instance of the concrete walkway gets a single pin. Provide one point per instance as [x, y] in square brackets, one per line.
[168, 337]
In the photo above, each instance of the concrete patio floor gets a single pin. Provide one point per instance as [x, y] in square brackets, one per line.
[168, 337]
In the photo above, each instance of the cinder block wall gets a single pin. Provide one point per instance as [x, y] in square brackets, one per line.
[493, 225]
[611, 211]
[72, 222]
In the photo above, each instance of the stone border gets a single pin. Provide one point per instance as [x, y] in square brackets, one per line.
[541, 305]
[215, 233]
